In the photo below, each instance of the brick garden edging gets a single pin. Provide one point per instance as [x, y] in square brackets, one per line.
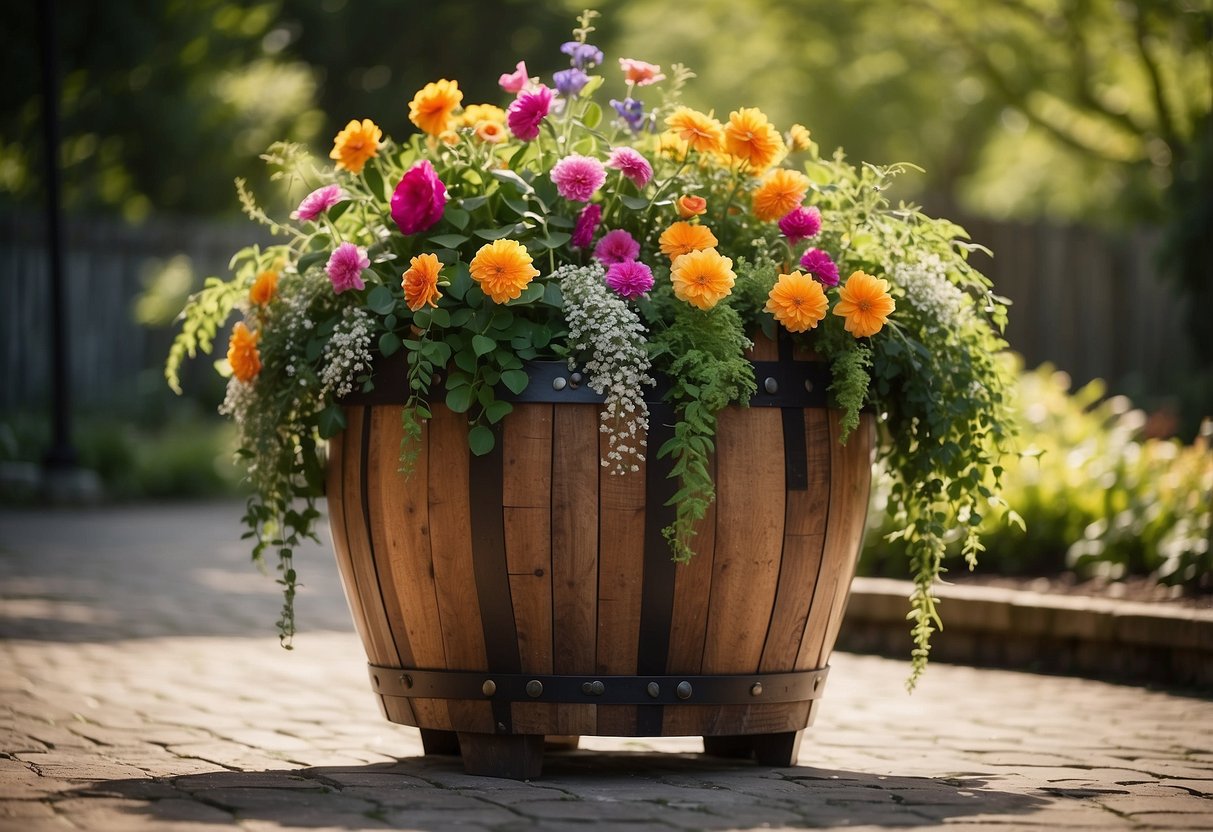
[1131, 641]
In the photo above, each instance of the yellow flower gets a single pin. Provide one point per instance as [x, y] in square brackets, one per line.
[682, 238]
[673, 146]
[433, 104]
[490, 131]
[242, 353]
[355, 144]
[420, 282]
[503, 269]
[691, 206]
[750, 137]
[702, 278]
[781, 191]
[701, 132]
[473, 114]
[797, 301]
[865, 302]
[799, 138]
[264, 288]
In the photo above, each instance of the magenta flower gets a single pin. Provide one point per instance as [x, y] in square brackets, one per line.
[515, 81]
[419, 199]
[577, 177]
[528, 112]
[819, 264]
[345, 267]
[632, 165]
[616, 247]
[587, 224]
[630, 279]
[800, 223]
[317, 202]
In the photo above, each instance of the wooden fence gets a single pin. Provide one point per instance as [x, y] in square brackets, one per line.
[1091, 302]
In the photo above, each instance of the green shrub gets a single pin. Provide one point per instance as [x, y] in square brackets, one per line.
[1097, 496]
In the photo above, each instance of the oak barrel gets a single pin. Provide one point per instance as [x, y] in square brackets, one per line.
[529, 592]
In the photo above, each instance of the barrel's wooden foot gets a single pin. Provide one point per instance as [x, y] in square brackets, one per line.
[439, 742]
[516, 757]
[780, 749]
[561, 743]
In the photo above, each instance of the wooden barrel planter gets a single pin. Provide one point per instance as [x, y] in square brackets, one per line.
[529, 593]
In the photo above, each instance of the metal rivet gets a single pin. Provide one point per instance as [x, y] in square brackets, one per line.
[576, 379]
[598, 688]
[585, 688]
[376, 681]
[501, 727]
[771, 385]
[558, 383]
[407, 679]
[756, 689]
[808, 386]
[489, 687]
[684, 690]
[534, 688]
[816, 683]
[654, 689]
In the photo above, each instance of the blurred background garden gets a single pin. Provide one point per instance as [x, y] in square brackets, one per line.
[1072, 138]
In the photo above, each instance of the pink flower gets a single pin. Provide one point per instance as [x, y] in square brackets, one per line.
[419, 199]
[819, 264]
[577, 177]
[515, 81]
[317, 202]
[345, 267]
[632, 165]
[640, 73]
[528, 111]
[616, 247]
[800, 223]
[587, 224]
[630, 279]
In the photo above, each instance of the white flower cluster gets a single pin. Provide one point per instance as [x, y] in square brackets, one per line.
[347, 353]
[603, 325]
[942, 304]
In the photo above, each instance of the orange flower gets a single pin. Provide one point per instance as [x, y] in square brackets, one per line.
[702, 132]
[264, 288]
[865, 302]
[799, 138]
[797, 301]
[682, 238]
[433, 104]
[473, 114]
[691, 206]
[242, 353]
[503, 269]
[420, 282]
[781, 191]
[750, 137]
[490, 131]
[702, 278]
[354, 145]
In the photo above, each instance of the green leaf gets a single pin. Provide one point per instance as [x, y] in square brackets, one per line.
[508, 176]
[381, 300]
[481, 440]
[330, 421]
[515, 380]
[449, 240]
[466, 361]
[497, 410]
[471, 203]
[440, 317]
[593, 113]
[461, 316]
[309, 260]
[552, 297]
[636, 203]
[483, 345]
[459, 399]
[495, 233]
[458, 217]
[389, 342]
[461, 281]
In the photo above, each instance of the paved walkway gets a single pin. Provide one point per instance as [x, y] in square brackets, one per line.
[142, 688]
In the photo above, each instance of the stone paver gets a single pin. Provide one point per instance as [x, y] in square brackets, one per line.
[141, 688]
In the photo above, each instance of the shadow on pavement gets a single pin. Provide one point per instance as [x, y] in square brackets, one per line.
[579, 788]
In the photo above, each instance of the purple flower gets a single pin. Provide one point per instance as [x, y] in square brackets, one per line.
[800, 223]
[577, 177]
[631, 164]
[345, 267]
[317, 202]
[582, 54]
[819, 264]
[629, 279]
[528, 111]
[569, 82]
[631, 111]
[616, 247]
[419, 199]
[587, 224]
